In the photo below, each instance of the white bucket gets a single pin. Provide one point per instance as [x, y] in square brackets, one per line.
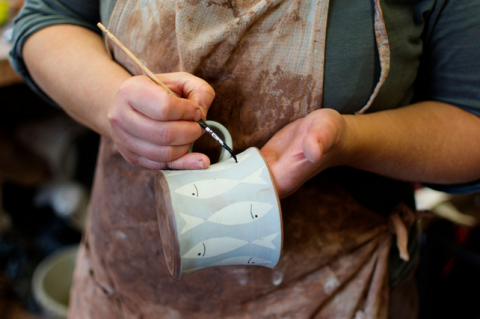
[52, 280]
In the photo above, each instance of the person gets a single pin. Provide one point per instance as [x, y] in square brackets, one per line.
[349, 101]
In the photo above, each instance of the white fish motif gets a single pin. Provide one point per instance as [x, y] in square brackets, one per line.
[216, 246]
[242, 260]
[212, 168]
[214, 187]
[235, 214]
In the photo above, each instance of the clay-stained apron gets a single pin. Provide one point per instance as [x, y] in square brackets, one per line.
[265, 60]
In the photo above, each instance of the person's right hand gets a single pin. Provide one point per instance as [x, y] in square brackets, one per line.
[153, 129]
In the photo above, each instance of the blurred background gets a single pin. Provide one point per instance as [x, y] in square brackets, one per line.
[47, 162]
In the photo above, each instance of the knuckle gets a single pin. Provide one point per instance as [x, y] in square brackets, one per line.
[166, 135]
[154, 155]
[113, 117]
[183, 165]
[208, 89]
[212, 91]
[124, 90]
[163, 106]
[168, 154]
[163, 111]
[177, 165]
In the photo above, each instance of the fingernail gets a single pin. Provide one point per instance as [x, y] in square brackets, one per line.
[200, 164]
[198, 115]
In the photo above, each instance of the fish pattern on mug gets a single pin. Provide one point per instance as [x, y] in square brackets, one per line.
[217, 246]
[242, 260]
[238, 260]
[235, 214]
[214, 187]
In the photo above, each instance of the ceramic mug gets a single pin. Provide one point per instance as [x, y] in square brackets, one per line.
[227, 214]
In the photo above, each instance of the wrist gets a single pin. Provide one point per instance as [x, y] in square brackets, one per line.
[349, 144]
[107, 102]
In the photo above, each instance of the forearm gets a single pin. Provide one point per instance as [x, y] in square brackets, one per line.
[427, 142]
[151, 128]
[70, 64]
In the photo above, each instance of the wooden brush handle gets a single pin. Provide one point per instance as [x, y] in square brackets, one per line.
[134, 58]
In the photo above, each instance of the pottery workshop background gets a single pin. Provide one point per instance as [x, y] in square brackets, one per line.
[47, 165]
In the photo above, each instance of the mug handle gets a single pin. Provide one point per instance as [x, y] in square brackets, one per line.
[224, 135]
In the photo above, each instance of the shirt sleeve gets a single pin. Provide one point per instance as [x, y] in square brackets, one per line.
[38, 14]
[450, 65]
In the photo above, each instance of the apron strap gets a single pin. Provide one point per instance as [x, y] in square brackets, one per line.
[383, 52]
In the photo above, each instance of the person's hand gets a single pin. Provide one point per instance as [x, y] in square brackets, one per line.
[304, 148]
[153, 129]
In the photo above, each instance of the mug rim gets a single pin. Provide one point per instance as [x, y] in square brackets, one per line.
[167, 226]
[278, 202]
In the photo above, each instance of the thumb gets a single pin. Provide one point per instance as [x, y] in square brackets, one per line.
[199, 92]
[322, 134]
[189, 87]
[312, 148]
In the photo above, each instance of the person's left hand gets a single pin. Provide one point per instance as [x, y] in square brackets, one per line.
[304, 148]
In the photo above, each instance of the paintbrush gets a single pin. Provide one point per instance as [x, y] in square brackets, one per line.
[156, 80]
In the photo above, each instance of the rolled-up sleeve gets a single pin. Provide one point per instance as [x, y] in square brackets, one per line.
[450, 65]
[38, 14]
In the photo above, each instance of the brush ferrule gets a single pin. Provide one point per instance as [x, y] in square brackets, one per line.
[218, 139]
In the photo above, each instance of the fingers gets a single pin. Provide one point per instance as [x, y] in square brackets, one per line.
[148, 98]
[190, 87]
[323, 133]
[304, 148]
[151, 156]
[194, 97]
[312, 148]
[150, 151]
[154, 129]
[190, 161]
[159, 133]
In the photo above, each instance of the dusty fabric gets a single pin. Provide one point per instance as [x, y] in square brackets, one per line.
[334, 261]
[265, 62]
[403, 301]
[428, 46]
